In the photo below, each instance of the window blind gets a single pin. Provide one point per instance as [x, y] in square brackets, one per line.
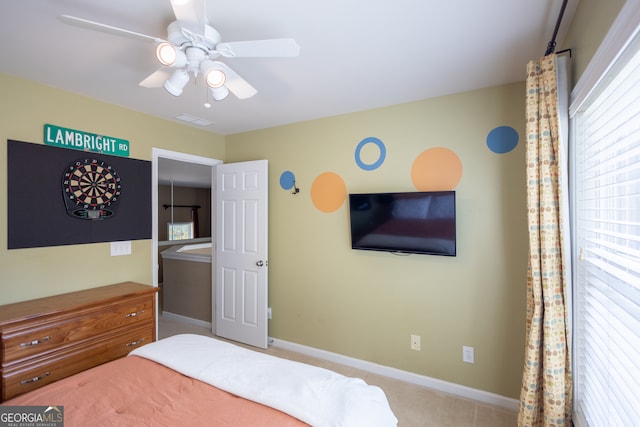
[607, 241]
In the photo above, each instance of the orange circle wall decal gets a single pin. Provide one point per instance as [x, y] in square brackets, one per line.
[328, 192]
[436, 169]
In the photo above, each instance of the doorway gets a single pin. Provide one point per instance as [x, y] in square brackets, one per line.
[179, 170]
[239, 227]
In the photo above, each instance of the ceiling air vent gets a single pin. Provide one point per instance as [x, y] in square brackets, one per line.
[195, 120]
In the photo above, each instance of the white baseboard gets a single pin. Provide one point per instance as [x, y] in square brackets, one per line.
[185, 319]
[410, 377]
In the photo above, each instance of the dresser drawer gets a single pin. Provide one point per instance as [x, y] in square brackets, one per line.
[27, 340]
[29, 376]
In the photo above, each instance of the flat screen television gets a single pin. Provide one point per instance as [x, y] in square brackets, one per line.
[411, 222]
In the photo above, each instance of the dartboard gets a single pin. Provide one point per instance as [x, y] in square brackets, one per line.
[91, 189]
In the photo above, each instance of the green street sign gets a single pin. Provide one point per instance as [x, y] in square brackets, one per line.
[84, 141]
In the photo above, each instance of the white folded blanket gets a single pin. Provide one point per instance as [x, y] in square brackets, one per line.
[317, 396]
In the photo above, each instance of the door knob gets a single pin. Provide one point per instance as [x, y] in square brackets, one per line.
[260, 263]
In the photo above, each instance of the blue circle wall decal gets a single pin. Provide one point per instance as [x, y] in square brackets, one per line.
[377, 163]
[287, 179]
[502, 139]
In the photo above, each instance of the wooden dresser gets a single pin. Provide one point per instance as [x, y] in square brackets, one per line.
[50, 338]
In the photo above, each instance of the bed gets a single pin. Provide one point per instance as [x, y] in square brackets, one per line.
[196, 380]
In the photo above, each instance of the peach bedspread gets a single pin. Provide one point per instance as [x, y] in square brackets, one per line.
[134, 391]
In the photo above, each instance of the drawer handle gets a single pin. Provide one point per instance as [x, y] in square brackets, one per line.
[35, 379]
[34, 342]
[134, 314]
[132, 343]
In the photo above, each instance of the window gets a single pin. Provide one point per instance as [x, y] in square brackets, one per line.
[606, 215]
[180, 230]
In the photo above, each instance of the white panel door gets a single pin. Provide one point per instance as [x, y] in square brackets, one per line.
[241, 267]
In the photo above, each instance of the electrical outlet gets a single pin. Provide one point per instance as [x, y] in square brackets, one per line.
[415, 342]
[467, 354]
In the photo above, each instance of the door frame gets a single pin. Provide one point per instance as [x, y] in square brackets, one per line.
[157, 153]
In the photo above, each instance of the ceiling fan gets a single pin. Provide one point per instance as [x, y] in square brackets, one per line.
[192, 47]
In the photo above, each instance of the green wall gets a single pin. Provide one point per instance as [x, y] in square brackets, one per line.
[367, 304]
[26, 107]
[323, 294]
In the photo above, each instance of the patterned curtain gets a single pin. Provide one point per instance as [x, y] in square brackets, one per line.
[546, 395]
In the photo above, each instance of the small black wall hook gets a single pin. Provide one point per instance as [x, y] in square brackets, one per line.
[296, 190]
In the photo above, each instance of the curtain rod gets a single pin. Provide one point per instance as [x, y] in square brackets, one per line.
[182, 206]
[551, 47]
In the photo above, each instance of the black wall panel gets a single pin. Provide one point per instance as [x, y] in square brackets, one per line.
[37, 215]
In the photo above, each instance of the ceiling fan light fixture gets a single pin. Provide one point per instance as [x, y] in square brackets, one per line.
[176, 83]
[169, 56]
[215, 78]
[219, 93]
[191, 48]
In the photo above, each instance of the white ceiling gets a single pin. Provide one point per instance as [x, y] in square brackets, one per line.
[355, 54]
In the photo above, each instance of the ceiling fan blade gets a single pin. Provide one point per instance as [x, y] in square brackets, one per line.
[108, 28]
[236, 84]
[191, 14]
[156, 79]
[270, 48]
